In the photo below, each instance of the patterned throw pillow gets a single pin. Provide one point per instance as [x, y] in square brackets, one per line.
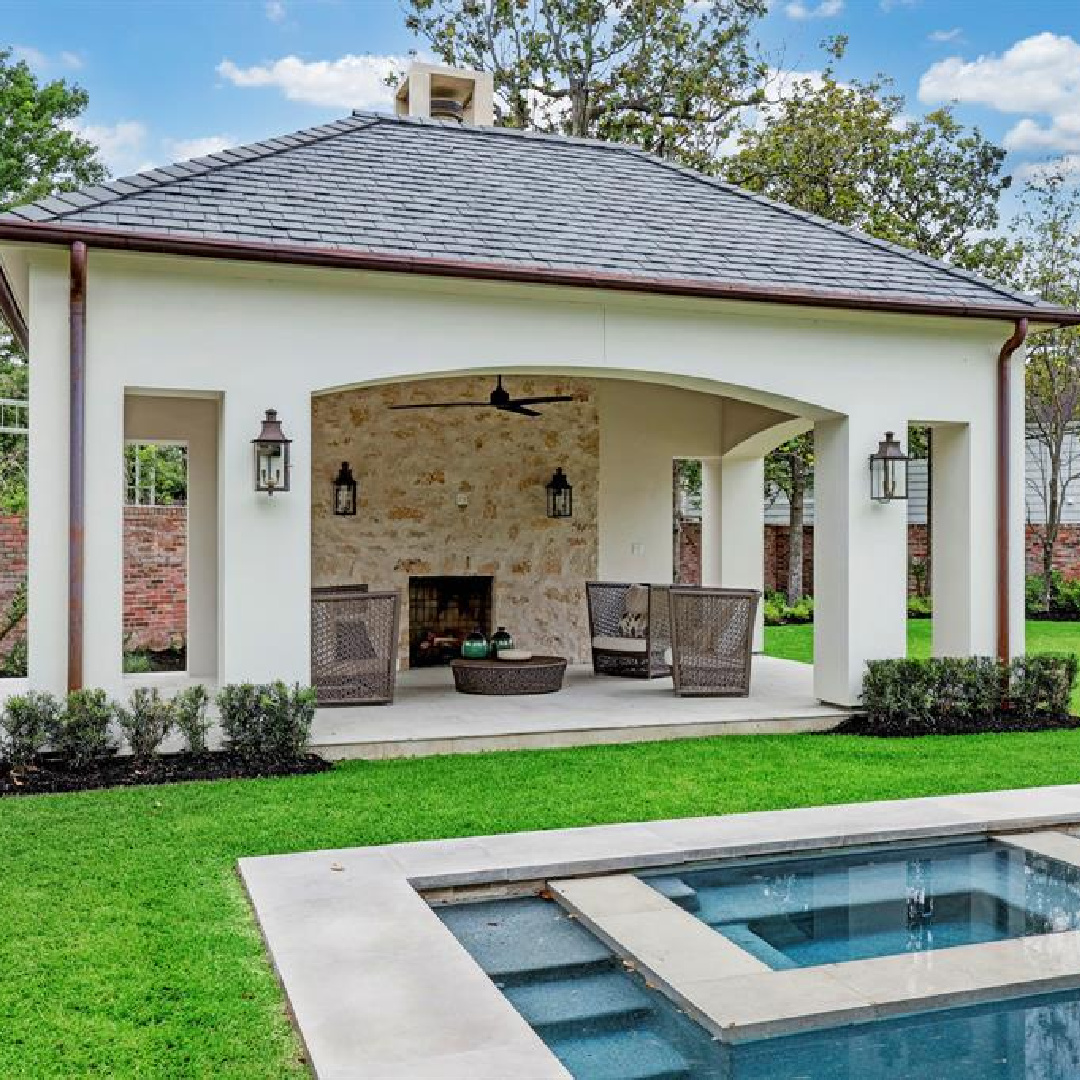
[633, 625]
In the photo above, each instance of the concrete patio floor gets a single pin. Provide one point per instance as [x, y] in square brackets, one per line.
[429, 717]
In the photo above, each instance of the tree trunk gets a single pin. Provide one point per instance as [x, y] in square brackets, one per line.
[795, 530]
[1050, 528]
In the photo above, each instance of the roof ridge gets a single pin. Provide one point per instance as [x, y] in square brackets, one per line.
[106, 191]
[834, 226]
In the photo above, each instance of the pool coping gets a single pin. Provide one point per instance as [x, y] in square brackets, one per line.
[737, 997]
[378, 986]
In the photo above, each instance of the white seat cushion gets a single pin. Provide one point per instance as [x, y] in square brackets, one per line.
[619, 644]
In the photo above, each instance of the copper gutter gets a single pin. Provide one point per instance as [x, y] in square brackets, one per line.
[9, 311]
[76, 465]
[311, 255]
[1004, 483]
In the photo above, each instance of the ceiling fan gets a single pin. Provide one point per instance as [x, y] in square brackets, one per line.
[499, 399]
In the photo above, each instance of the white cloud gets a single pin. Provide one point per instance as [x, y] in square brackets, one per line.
[275, 10]
[892, 5]
[797, 9]
[184, 149]
[1039, 74]
[350, 82]
[122, 145]
[942, 37]
[41, 61]
[1067, 166]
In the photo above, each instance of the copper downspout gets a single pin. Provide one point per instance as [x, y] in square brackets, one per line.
[1004, 483]
[76, 465]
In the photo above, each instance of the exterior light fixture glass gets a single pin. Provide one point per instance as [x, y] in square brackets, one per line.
[345, 492]
[272, 464]
[560, 496]
[888, 471]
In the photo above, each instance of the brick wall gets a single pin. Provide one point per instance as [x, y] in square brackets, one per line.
[688, 537]
[155, 576]
[12, 566]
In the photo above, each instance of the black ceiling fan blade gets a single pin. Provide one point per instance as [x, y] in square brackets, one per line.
[446, 405]
[517, 407]
[541, 400]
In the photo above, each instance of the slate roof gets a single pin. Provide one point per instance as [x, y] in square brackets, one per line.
[380, 184]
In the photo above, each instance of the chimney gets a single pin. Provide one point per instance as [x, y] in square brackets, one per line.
[454, 95]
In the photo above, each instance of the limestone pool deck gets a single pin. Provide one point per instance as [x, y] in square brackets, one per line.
[378, 986]
[428, 716]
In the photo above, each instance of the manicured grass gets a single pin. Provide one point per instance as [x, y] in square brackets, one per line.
[127, 947]
[797, 642]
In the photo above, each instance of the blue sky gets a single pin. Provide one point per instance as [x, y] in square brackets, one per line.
[174, 78]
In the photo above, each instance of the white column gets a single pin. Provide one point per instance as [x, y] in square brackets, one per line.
[47, 622]
[264, 554]
[742, 530]
[1018, 522]
[860, 559]
[962, 555]
[103, 589]
[712, 514]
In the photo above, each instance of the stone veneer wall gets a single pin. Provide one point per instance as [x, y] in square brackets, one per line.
[411, 467]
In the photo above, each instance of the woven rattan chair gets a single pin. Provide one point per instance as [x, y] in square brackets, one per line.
[354, 643]
[629, 628]
[712, 638]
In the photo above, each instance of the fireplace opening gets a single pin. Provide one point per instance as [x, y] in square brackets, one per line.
[443, 611]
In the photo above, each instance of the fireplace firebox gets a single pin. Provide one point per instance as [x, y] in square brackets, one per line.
[442, 612]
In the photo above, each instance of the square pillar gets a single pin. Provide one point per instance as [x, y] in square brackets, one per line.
[860, 559]
[742, 532]
[962, 555]
[1018, 519]
[264, 542]
[712, 516]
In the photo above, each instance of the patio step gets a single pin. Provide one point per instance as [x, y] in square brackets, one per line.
[591, 1003]
[676, 890]
[625, 1055]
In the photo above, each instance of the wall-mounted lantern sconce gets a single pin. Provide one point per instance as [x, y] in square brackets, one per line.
[888, 471]
[560, 496]
[345, 492]
[272, 454]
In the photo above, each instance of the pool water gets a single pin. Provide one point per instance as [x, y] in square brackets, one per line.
[604, 1023]
[801, 912]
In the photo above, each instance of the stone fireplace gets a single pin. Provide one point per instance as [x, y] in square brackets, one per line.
[443, 610]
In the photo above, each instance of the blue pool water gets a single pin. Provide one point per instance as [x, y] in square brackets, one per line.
[827, 909]
[602, 1021]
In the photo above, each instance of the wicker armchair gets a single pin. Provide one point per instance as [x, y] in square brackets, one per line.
[712, 637]
[629, 628]
[354, 643]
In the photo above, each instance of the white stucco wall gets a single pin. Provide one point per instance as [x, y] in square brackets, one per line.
[267, 336]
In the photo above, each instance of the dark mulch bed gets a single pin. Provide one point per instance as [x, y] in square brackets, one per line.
[56, 776]
[859, 724]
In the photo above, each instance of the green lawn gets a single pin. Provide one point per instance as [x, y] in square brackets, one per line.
[126, 945]
[797, 642]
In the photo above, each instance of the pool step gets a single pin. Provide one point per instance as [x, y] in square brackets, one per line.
[676, 890]
[626, 1055]
[594, 1003]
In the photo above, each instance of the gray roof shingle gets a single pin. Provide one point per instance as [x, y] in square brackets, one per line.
[386, 185]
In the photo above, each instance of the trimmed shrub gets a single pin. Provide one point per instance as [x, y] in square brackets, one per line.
[919, 607]
[27, 722]
[145, 721]
[778, 612]
[962, 694]
[82, 732]
[190, 715]
[267, 724]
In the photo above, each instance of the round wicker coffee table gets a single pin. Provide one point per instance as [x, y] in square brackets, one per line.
[540, 675]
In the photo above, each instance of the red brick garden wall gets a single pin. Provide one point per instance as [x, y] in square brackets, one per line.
[12, 566]
[155, 576]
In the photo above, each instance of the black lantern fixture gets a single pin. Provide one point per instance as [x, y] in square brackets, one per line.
[888, 471]
[345, 492]
[560, 496]
[271, 456]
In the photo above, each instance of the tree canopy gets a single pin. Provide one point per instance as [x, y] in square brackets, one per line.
[668, 75]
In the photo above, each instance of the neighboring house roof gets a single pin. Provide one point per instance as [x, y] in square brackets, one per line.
[431, 197]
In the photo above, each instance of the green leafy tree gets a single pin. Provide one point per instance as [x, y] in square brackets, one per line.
[789, 469]
[1050, 268]
[665, 74]
[847, 152]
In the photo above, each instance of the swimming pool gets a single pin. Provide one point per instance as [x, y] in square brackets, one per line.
[827, 909]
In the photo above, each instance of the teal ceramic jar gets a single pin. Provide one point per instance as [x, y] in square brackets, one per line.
[475, 646]
[500, 640]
